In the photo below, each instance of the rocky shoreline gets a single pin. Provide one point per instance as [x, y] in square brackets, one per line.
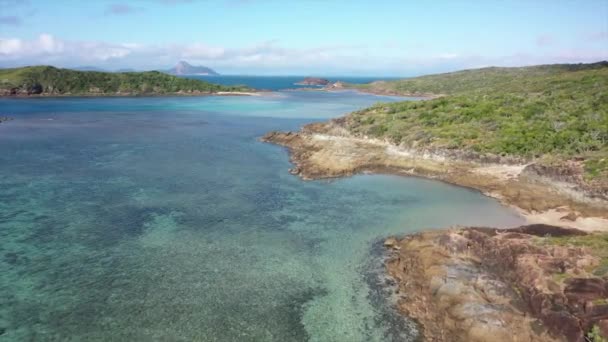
[558, 197]
[534, 283]
[531, 283]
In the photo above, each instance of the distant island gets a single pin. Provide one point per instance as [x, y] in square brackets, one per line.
[313, 81]
[184, 69]
[51, 81]
[536, 139]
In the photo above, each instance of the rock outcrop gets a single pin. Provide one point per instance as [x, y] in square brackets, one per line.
[313, 81]
[532, 283]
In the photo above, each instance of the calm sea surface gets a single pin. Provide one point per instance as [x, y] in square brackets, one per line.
[140, 219]
[279, 82]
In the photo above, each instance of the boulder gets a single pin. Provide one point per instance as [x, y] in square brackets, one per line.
[585, 289]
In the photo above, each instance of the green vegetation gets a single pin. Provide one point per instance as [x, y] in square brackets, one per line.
[596, 167]
[595, 335]
[596, 243]
[552, 110]
[560, 277]
[483, 80]
[49, 80]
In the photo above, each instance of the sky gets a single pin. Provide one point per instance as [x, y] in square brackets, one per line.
[303, 37]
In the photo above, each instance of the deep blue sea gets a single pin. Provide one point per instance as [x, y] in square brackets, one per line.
[165, 219]
[280, 82]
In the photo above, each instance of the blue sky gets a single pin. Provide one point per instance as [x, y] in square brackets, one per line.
[356, 37]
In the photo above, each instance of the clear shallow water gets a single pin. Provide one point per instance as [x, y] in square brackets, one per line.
[165, 219]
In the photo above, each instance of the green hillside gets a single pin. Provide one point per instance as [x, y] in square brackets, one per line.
[49, 80]
[543, 111]
[522, 79]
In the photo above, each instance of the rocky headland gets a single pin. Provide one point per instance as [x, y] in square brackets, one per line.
[559, 196]
[532, 283]
[532, 137]
[544, 282]
[313, 81]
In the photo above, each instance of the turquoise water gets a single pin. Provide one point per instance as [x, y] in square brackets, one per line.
[138, 219]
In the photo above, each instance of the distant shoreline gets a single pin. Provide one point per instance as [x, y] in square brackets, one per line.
[92, 95]
[325, 150]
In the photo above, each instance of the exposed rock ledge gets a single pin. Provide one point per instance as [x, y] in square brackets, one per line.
[326, 150]
[532, 283]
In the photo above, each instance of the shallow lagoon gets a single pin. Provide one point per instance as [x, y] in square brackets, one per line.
[166, 219]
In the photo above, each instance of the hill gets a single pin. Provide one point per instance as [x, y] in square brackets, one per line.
[183, 68]
[552, 112]
[48, 80]
[519, 79]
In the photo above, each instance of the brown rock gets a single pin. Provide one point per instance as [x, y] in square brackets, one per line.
[475, 283]
[603, 325]
[390, 243]
[569, 217]
[585, 289]
[564, 323]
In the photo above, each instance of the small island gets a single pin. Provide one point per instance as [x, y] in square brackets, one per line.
[313, 81]
[51, 81]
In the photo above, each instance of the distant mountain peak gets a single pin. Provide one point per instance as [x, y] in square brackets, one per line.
[185, 68]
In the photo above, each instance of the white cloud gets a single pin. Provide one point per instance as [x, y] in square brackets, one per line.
[48, 44]
[46, 47]
[10, 47]
[265, 57]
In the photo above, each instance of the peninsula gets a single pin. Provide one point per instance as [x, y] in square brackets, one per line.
[51, 81]
[313, 81]
[535, 138]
